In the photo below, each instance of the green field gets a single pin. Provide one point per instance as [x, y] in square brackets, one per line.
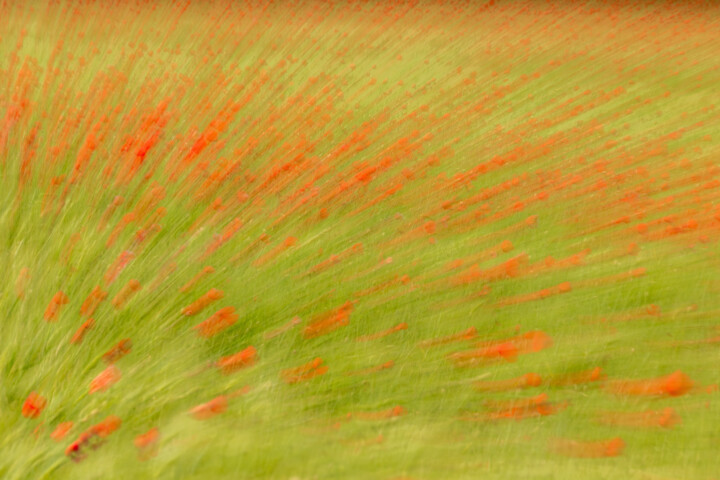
[447, 240]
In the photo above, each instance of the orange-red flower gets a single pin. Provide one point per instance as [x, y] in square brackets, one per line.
[217, 322]
[666, 418]
[312, 369]
[198, 305]
[107, 426]
[92, 301]
[80, 332]
[329, 321]
[147, 443]
[675, 384]
[235, 362]
[53, 309]
[108, 377]
[92, 438]
[118, 351]
[61, 431]
[210, 409]
[33, 406]
[125, 293]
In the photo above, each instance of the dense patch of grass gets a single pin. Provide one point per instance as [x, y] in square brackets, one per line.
[455, 173]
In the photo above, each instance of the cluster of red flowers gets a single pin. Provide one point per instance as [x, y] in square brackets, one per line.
[396, 199]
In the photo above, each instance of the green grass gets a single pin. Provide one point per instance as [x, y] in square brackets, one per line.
[278, 72]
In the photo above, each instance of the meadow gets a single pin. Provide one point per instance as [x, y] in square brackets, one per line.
[359, 239]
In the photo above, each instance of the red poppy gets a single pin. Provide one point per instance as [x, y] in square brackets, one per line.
[61, 431]
[210, 409]
[105, 379]
[33, 406]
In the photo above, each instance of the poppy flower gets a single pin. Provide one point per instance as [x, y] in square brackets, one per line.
[33, 406]
[210, 409]
[108, 377]
[61, 431]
